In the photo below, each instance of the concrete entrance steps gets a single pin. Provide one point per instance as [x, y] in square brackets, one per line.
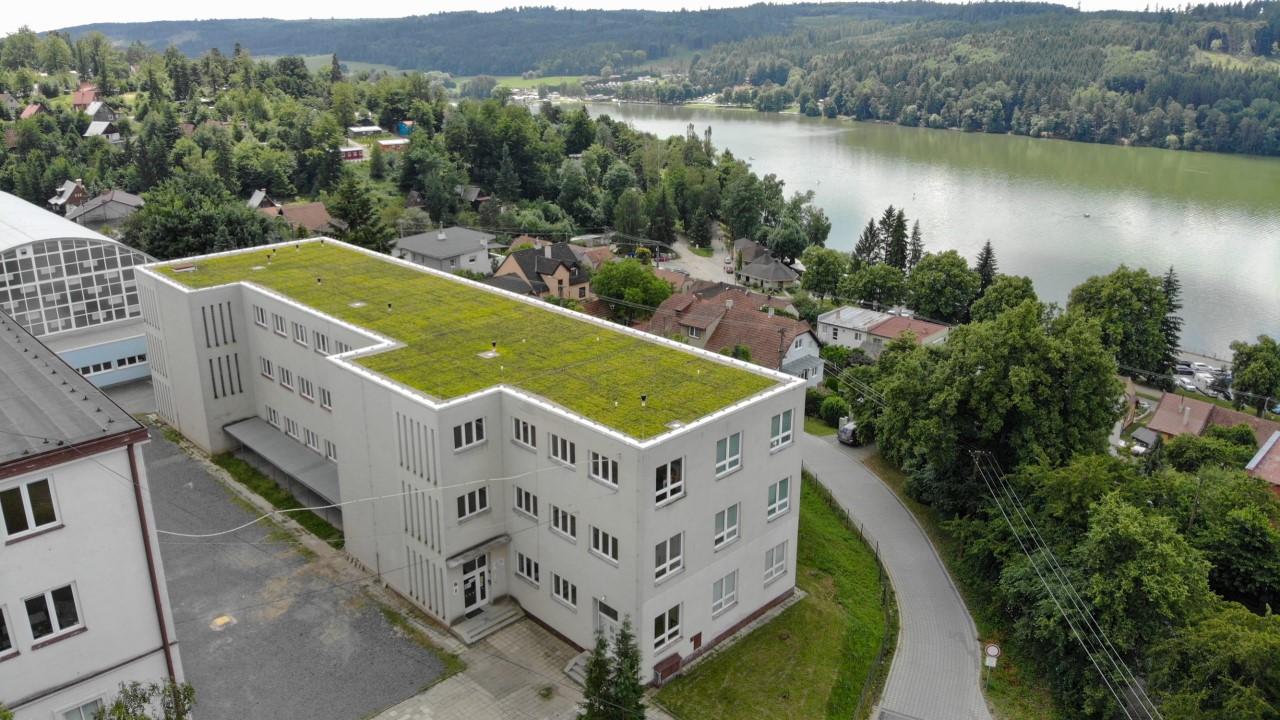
[577, 668]
[490, 619]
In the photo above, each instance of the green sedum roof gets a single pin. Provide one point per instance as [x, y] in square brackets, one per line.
[445, 324]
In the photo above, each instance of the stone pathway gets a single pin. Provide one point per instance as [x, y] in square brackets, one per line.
[936, 670]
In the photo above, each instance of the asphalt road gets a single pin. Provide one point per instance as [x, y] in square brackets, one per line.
[303, 640]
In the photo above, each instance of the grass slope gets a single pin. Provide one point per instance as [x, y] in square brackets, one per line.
[593, 371]
[812, 660]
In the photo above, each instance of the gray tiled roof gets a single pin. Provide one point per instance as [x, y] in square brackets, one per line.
[44, 404]
[457, 240]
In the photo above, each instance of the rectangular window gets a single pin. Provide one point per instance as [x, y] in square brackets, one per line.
[527, 568]
[306, 389]
[669, 481]
[724, 593]
[299, 334]
[473, 503]
[286, 377]
[694, 332]
[52, 612]
[87, 711]
[268, 368]
[604, 469]
[326, 399]
[726, 526]
[775, 561]
[330, 451]
[527, 502]
[28, 507]
[278, 324]
[524, 433]
[799, 342]
[273, 417]
[564, 591]
[604, 544]
[835, 333]
[779, 498]
[6, 637]
[260, 315]
[291, 427]
[311, 439]
[666, 627]
[729, 454]
[780, 430]
[668, 556]
[564, 523]
[468, 434]
[563, 450]
[320, 341]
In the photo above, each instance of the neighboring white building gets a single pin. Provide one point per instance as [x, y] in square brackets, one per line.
[587, 471]
[74, 289]
[449, 249]
[83, 605]
[848, 326]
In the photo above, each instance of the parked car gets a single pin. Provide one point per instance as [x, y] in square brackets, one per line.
[1184, 370]
[848, 434]
[1184, 363]
[1203, 367]
[1187, 385]
[728, 269]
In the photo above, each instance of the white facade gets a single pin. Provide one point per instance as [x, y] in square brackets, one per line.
[499, 492]
[849, 326]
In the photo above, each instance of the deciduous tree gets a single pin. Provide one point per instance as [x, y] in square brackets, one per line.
[627, 284]
[942, 287]
[1257, 372]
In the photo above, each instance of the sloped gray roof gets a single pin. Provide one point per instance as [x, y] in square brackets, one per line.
[110, 196]
[42, 398]
[767, 269]
[22, 223]
[510, 283]
[456, 241]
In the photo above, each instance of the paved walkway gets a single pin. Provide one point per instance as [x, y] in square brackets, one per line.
[936, 671]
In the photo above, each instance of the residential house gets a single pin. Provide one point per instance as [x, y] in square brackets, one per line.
[10, 103]
[769, 273]
[312, 218]
[1181, 415]
[110, 209]
[99, 111]
[259, 200]
[471, 194]
[679, 281]
[1265, 464]
[535, 459]
[708, 289]
[71, 194]
[352, 152]
[733, 319]
[364, 130]
[596, 256]
[552, 270]
[448, 249]
[512, 284]
[91, 316]
[83, 604]
[104, 129]
[894, 327]
[84, 97]
[33, 110]
[849, 326]
[747, 251]
[394, 145]
[593, 239]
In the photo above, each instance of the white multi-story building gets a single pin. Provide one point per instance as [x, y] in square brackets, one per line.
[486, 447]
[74, 289]
[83, 605]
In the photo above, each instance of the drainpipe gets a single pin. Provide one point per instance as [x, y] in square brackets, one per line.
[151, 564]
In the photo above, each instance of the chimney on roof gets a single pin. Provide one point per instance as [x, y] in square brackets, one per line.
[728, 304]
[546, 250]
[440, 235]
[1186, 415]
[770, 311]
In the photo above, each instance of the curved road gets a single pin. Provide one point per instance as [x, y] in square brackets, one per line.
[936, 670]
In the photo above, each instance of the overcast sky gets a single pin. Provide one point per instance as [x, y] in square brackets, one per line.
[42, 16]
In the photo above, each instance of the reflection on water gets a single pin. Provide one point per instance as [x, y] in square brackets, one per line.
[1055, 211]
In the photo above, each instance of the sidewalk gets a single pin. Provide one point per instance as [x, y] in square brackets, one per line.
[936, 668]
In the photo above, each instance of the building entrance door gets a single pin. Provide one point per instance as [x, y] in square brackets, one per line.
[607, 622]
[475, 586]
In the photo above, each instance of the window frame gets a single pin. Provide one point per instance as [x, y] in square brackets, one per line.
[480, 496]
[604, 545]
[320, 342]
[732, 462]
[474, 429]
[57, 630]
[306, 389]
[523, 564]
[97, 702]
[560, 516]
[23, 487]
[558, 584]
[670, 630]
[268, 368]
[311, 439]
[260, 316]
[8, 631]
[279, 325]
[526, 503]
[300, 334]
[598, 462]
[273, 417]
[782, 437]
[524, 433]
[728, 598]
[779, 566]
[667, 564]
[778, 500]
[558, 446]
[724, 533]
[330, 451]
[670, 490]
[291, 427]
[286, 377]
[326, 398]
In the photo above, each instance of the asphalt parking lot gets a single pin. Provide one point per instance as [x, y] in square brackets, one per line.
[266, 628]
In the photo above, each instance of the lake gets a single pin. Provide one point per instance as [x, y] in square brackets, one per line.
[1055, 211]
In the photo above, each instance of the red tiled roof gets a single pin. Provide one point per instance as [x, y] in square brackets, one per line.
[85, 95]
[676, 279]
[595, 308]
[1262, 429]
[1179, 415]
[895, 326]
[31, 111]
[312, 216]
[741, 324]
[1266, 463]
[598, 256]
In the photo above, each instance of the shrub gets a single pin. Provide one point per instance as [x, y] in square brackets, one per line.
[813, 398]
[832, 409]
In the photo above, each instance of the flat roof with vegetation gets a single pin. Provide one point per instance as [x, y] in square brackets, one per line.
[445, 324]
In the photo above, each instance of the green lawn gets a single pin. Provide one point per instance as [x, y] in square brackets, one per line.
[817, 426]
[812, 660]
[445, 325]
[701, 251]
[1017, 689]
[267, 489]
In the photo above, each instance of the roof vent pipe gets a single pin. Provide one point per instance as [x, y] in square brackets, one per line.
[546, 250]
